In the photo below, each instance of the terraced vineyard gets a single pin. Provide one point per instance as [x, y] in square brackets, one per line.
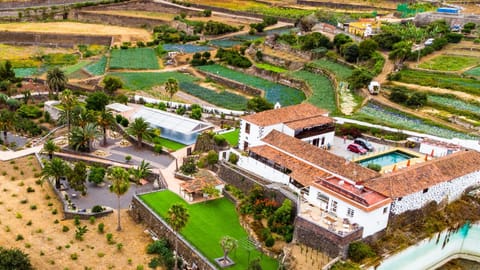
[273, 92]
[323, 94]
[135, 58]
[222, 99]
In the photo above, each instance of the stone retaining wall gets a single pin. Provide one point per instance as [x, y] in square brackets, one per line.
[336, 5]
[322, 239]
[233, 84]
[140, 212]
[52, 39]
[122, 20]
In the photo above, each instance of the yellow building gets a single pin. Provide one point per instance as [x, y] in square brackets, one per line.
[364, 27]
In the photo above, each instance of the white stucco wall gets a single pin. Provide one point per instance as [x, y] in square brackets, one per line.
[452, 190]
[372, 222]
[329, 137]
[438, 151]
[263, 170]
[256, 133]
[49, 106]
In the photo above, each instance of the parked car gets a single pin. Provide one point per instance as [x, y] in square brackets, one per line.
[353, 147]
[364, 143]
[429, 42]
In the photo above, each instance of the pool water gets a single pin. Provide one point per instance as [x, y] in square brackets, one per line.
[387, 158]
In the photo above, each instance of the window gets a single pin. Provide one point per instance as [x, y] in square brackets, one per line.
[385, 210]
[323, 140]
[323, 200]
[425, 190]
[245, 146]
[247, 128]
[350, 212]
[334, 206]
[399, 198]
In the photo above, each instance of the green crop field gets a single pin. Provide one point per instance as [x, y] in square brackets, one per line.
[273, 92]
[97, 68]
[342, 72]
[323, 94]
[271, 67]
[450, 63]
[448, 81]
[146, 80]
[208, 223]
[71, 69]
[135, 58]
[222, 99]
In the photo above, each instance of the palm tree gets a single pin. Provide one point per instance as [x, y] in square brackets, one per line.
[55, 168]
[120, 185]
[81, 138]
[83, 117]
[7, 120]
[50, 147]
[141, 171]
[56, 80]
[68, 101]
[105, 120]
[141, 129]
[171, 86]
[177, 217]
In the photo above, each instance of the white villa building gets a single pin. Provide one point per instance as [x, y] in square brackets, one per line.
[289, 146]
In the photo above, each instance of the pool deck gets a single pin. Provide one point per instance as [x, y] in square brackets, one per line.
[418, 158]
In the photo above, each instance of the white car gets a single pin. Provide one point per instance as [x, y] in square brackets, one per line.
[429, 42]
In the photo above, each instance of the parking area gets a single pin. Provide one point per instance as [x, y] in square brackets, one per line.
[339, 148]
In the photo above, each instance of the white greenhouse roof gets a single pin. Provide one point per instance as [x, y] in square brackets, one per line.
[119, 107]
[171, 121]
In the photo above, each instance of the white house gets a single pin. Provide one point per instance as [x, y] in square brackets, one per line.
[445, 178]
[303, 121]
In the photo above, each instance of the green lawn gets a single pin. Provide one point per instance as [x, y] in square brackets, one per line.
[208, 223]
[232, 137]
[135, 58]
[172, 145]
[450, 63]
[146, 80]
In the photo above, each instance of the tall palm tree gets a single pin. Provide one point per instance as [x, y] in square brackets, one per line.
[141, 171]
[177, 217]
[171, 86]
[81, 138]
[83, 117]
[105, 120]
[141, 129]
[120, 185]
[7, 122]
[50, 147]
[68, 101]
[56, 80]
[55, 168]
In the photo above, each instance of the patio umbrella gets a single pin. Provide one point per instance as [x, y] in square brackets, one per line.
[394, 168]
[426, 157]
[408, 163]
[431, 154]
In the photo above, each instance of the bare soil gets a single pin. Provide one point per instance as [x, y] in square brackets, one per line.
[304, 257]
[43, 239]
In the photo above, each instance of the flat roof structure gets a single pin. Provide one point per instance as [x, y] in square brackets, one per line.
[118, 107]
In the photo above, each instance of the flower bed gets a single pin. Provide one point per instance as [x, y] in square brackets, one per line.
[97, 68]
[323, 94]
[397, 119]
[273, 92]
[136, 58]
[222, 99]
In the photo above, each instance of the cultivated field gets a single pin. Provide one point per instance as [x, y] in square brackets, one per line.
[135, 58]
[120, 33]
[28, 222]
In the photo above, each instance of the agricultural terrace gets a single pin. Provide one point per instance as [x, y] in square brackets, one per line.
[225, 43]
[97, 68]
[222, 98]
[342, 72]
[272, 68]
[450, 63]
[377, 114]
[185, 48]
[133, 58]
[273, 92]
[66, 27]
[473, 72]
[24, 56]
[323, 94]
[208, 223]
[147, 80]
[232, 137]
[441, 80]
[75, 67]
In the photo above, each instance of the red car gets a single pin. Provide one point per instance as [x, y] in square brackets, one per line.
[357, 149]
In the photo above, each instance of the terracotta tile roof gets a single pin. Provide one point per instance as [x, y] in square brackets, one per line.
[302, 172]
[319, 157]
[285, 114]
[424, 175]
[309, 122]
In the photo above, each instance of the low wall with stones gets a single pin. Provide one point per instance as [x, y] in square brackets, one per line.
[336, 5]
[141, 213]
[282, 62]
[322, 239]
[122, 20]
[52, 39]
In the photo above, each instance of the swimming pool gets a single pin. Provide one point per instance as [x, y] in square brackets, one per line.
[386, 159]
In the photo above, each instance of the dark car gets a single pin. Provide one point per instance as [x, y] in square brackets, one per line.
[364, 143]
[357, 149]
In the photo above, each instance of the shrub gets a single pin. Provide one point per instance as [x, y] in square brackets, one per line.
[454, 37]
[96, 175]
[65, 228]
[158, 148]
[188, 167]
[219, 140]
[30, 189]
[92, 220]
[374, 166]
[19, 237]
[124, 122]
[110, 240]
[118, 118]
[417, 99]
[357, 251]
[97, 209]
[233, 158]
[269, 242]
[29, 111]
[101, 227]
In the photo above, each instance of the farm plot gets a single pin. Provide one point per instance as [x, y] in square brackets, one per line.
[447, 81]
[272, 68]
[135, 58]
[380, 115]
[454, 103]
[27, 72]
[97, 68]
[73, 68]
[473, 72]
[323, 94]
[225, 43]
[342, 72]
[146, 80]
[450, 63]
[222, 99]
[186, 48]
[273, 92]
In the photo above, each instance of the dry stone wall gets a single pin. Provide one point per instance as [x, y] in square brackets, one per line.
[52, 39]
